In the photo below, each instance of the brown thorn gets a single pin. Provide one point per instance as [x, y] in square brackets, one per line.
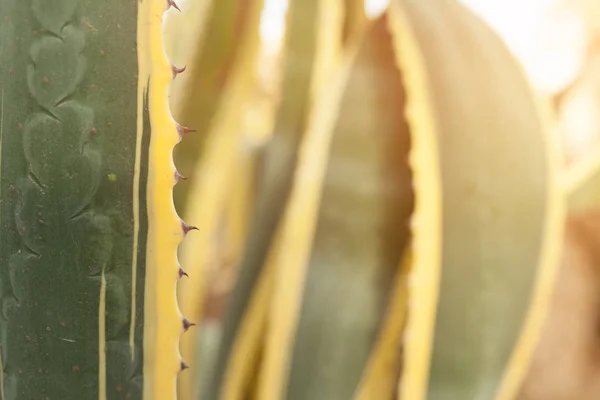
[183, 365]
[186, 228]
[176, 71]
[182, 130]
[182, 273]
[187, 325]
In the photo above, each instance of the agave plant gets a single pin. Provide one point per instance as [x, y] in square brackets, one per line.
[89, 233]
[386, 223]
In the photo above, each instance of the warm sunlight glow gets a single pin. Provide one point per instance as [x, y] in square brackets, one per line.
[549, 38]
[272, 24]
[580, 120]
[561, 44]
[373, 8]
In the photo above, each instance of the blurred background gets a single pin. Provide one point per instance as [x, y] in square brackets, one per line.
[557, 43]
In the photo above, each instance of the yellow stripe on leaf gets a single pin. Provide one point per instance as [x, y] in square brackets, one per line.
[162, 320]
[498, 205]
[289, 254]
[380, 379]
[308, 56]
[361, 234]
[425, 273]
[355, 20]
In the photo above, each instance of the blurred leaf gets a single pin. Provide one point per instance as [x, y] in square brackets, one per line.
[488, 207]
[216, 167]
[198, 94]
[580, 180]
[355, 19]
[310, 54]
[566, 361]
[582, 183]
[341, 288]
[183, 30]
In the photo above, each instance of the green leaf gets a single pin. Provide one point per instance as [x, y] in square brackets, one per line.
[488, 219]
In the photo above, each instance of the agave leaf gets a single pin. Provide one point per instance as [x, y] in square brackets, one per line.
[585, 194]
[578, 122]
[355, 19]
[488, 211]
[341, 288]
[580, 181]
[198, 95]
[213, 176]
[565, 361]
[162, 318]
[183, 34]
[227, 250]
[89, 232]
[308, 57]
[380, 378]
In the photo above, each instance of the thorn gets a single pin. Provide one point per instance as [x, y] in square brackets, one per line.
[176, 71]
[186, 228]
[187, 325]
[178, 176]
[182, 273]
[183, 365]
[182, 130]
[171, 3]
